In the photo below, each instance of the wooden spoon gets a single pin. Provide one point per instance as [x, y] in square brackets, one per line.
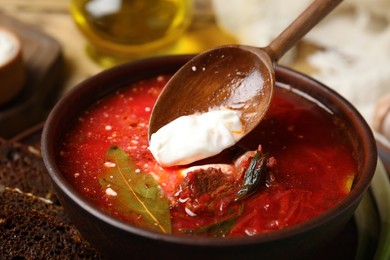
[234, 76]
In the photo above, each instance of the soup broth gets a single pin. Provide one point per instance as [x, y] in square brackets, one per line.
[307, 167]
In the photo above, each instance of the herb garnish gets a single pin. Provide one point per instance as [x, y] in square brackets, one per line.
[218, 229]
[253, 175]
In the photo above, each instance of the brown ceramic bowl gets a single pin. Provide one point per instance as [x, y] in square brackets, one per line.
[116, 239]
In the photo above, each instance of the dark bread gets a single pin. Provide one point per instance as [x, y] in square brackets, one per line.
[31, 225]
[22, 167]
[13, 200]
[34, 228]
[34, 235]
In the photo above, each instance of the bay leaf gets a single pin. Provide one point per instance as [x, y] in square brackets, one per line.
[133, 191]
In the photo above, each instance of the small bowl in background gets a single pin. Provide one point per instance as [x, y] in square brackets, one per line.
[12, 72]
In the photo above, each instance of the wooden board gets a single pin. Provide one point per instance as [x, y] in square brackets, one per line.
[44, 65]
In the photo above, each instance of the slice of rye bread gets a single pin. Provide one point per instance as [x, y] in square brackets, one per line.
[14, 200]
[31, 225]
[34, 228]
[34, 235]
[22, 167]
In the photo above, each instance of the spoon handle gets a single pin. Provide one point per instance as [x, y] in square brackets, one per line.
[300, 27]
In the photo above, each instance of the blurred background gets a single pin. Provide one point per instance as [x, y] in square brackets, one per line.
[349, 51]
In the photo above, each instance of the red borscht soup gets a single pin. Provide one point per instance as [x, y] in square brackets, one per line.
[295, 165]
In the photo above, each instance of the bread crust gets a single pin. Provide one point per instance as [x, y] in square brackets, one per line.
[33, 224]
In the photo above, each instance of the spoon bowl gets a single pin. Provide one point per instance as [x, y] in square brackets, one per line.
[233, 76]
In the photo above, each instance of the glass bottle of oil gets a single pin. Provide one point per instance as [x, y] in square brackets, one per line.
[122, 30]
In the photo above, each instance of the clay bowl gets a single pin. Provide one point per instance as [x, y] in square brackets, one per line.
[12, 74]
[116, 239]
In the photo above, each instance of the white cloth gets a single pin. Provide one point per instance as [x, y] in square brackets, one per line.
[354, 42]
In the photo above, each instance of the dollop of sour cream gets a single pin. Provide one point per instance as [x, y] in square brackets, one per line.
[191, 138]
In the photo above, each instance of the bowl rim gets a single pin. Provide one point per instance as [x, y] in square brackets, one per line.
[65, 187]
